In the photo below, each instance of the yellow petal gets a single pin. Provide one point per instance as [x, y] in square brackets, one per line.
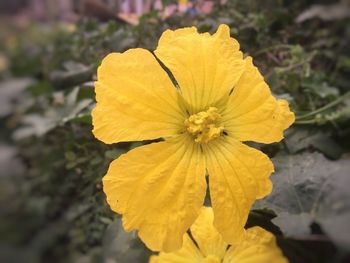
[238, 175]
[188, 253]
[136, 99]
[206, 236]
[252, 113]
[205, 66]
[258, 245]
[159, 189]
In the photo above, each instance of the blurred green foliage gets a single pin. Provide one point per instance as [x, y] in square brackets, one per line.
[52, 205]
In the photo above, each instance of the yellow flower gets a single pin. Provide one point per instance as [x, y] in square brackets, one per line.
[256, 246]
[220, 100]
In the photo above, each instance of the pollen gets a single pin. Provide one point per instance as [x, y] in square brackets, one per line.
[204, 126]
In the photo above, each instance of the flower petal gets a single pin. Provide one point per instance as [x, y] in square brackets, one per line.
[238, 175]
[209, 240]
[159, 188]
[188, 253]
[252, 113]
[258, 245]
[205, 66]
[136, 99]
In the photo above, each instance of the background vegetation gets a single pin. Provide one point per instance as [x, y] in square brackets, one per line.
[52, 205]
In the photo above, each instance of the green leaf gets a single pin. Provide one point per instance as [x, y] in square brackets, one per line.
[73, 74]
[113, 154]
[70, 156]
[12, 94]
[299, 139]
[317, 84]
[41, 88]
[310, 188]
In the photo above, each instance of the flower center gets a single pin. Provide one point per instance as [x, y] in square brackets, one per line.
[204, 125]
[211, 259]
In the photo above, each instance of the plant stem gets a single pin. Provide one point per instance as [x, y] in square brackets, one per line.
[264, 50]
[326, 107]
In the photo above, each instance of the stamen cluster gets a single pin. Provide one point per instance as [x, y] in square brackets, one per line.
[204, 125]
